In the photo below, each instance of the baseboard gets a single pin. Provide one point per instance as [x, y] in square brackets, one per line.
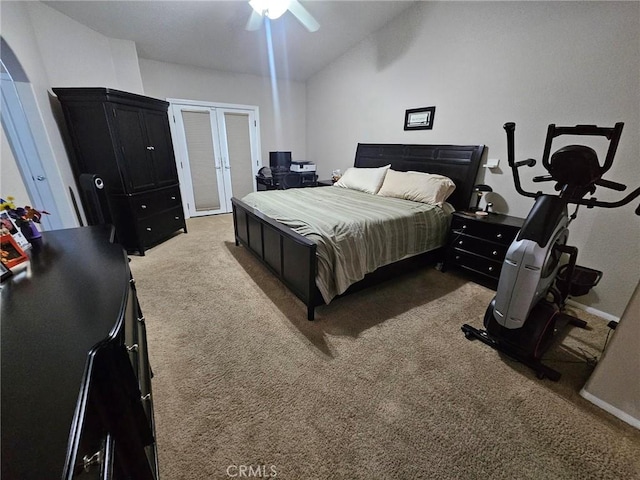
[625, 417]
[593, 311]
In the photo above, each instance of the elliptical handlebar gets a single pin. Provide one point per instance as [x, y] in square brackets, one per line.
[612, 134]
[510, 128]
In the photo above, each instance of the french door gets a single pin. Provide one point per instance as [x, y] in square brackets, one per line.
[217, 151]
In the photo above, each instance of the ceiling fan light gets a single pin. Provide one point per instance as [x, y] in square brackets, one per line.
[271, 8]
[277, 8]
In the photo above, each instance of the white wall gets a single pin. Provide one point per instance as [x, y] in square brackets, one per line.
[10, 179]
[282, 121]
[483, 64]
[56, 51]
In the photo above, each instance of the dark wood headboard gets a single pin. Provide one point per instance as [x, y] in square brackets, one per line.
[458, 162]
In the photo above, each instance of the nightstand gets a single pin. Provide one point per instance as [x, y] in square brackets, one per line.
[325, 183]
[478, 244]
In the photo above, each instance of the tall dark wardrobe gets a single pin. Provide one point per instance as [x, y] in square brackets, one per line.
[124, 163]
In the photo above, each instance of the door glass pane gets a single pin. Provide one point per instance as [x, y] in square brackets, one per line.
[239, 145]
[204, 176]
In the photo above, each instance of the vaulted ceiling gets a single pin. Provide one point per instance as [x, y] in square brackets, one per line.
[211, 34]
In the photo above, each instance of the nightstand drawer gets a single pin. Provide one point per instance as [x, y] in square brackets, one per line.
[487, 249]
[476, 263]
[496, 233]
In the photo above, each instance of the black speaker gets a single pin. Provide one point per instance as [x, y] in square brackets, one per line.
[94, 199]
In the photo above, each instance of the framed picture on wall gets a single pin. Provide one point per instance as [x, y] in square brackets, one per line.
[419, 118]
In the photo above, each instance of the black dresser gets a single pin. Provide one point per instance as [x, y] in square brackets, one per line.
[124, 140]
[76, 398]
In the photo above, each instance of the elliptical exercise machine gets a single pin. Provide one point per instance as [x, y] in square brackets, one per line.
[534, 283]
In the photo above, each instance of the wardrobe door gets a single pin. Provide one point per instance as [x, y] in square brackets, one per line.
[135, 162]
[159, 136]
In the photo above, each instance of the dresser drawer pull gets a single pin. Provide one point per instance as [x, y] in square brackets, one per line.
[132, 281]
[494, 253]
[146, 397]
[141, 320]
[460, 242]
[148, 229]
[132, 348]
[150, 148]
[458, 257]
[90, 461]
[491, 269]
[143, 206]
[464, 227]
[173, 197]
[499, 235]
[177, 218]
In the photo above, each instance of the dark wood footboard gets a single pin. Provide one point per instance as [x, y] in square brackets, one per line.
[289, 255]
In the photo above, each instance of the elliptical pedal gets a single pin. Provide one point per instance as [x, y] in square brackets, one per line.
[542, 371]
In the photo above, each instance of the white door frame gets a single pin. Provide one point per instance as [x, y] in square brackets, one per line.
[217, 111]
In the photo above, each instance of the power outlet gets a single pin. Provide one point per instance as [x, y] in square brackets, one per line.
[492, 163]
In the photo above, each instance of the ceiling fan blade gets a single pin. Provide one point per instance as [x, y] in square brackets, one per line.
[254, 22]
[304, 16]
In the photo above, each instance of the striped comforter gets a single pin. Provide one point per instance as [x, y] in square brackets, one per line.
[355, 232]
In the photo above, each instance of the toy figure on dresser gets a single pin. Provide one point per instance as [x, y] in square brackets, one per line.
[24, 218]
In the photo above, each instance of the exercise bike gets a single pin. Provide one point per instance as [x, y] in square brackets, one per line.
[536, 280]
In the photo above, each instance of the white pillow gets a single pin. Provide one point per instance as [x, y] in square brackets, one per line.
[417, 186]
[366, 180]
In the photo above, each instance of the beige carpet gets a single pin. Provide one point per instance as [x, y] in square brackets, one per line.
[383, 385]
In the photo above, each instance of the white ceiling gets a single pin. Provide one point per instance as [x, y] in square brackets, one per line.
[211, 34]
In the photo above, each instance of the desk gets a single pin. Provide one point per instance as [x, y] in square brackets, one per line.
[284, 180]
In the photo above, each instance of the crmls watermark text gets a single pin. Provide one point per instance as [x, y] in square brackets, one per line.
[252, 471]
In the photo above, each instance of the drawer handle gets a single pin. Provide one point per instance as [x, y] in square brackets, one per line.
[148, 229]
[177, 218]
[141, 320]
[150, 148]
[491, 269]
[499, 235]
[132, 281]
[146, 397]
[90, 461]
[494, 253]
[173, 197]
[132, 348]
[458, 257]
[464, 226]
[143, 206]
[460, 242]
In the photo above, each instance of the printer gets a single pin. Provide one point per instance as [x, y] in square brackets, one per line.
[302, 167]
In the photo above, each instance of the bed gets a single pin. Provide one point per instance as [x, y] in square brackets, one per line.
[280, 240]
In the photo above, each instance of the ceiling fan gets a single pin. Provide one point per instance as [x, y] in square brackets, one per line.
[274, 9]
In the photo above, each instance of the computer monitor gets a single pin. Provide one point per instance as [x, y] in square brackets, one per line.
[280, 161]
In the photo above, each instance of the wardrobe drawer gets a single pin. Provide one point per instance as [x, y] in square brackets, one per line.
[150, 203]
[156, 227]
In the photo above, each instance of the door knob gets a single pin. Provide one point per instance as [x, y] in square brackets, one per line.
[41, 178]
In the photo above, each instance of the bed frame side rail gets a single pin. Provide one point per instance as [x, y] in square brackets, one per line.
[287, 254]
